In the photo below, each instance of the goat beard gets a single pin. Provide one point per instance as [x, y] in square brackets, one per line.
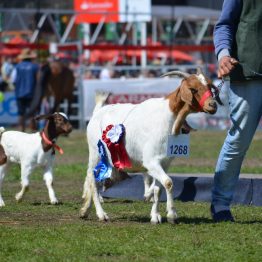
[180, 120]
[186, 128]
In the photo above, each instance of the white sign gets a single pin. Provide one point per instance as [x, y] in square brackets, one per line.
[94, 11]
[178, 146]
[125, 91]
[53, 48]
[135, 10]
[8, 109]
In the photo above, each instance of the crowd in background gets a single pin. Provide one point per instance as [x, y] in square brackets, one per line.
[20, 74]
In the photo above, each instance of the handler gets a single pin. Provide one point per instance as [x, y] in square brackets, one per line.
[238, 46]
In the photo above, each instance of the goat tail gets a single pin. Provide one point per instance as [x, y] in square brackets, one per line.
[2, 130]
[101, 99]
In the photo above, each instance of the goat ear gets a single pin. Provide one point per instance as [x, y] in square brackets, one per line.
[46, 116]
[186, 94]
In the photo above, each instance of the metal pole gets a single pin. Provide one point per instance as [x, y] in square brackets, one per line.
[143, 43]
[154, 29]
[87, 37]
[80, 86]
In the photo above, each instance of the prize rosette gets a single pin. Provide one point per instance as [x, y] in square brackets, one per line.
[113, 137]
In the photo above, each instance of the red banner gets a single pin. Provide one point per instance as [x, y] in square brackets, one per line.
[92, 11]
[185, 48]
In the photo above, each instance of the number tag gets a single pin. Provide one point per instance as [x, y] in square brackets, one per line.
[178, 146]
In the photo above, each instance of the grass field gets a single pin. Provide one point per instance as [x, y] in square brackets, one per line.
[34, 230]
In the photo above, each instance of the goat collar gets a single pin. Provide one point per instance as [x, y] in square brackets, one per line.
[201, 103]
[51, 143]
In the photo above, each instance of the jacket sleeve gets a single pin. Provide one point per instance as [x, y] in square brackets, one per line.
[226, 27]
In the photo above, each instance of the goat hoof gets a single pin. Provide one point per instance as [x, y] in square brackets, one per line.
[83, 214]
[54, 202]
[149, 199]
[172, 219]
[2, 203]
[103, 218]
[156, 219]
[18, 197]
[146, 199]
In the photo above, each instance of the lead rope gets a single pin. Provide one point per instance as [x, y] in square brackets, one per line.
[219, 86]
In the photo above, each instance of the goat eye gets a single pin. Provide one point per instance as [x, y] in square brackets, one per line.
[194, 91]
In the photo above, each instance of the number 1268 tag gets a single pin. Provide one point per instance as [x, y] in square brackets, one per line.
[178, 146]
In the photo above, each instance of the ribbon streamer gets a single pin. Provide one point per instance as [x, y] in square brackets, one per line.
[103, 169]
[113, 137]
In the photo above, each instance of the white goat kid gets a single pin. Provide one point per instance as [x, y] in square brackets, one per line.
[32, 150]
[147, 126]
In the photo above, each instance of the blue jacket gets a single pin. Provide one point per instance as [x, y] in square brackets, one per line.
[25, 82]
[226, 27]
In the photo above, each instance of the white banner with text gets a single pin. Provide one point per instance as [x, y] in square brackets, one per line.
[137, 90]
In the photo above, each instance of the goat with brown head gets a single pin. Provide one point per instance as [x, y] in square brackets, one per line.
[194, 95]
[32, 150]
[57, 124]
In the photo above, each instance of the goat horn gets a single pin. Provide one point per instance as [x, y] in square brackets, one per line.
[176, 73]
[199, 71]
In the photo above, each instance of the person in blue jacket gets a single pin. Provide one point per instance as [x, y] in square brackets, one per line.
[24, 77]
[238, 47]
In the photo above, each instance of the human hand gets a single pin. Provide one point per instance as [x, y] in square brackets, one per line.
[225, 66]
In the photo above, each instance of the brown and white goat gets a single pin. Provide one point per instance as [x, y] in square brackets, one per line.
[32, 150]
[147, 126]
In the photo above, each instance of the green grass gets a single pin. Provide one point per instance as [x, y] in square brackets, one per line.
[34, 230]
[40, 232]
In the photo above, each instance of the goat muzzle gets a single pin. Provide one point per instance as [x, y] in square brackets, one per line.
[206, 104]
[68, 129]
[211, 107]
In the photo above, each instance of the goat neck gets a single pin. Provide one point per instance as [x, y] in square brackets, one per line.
[50, 133]
[179, 108]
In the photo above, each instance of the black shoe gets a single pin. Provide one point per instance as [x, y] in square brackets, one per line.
[221, 216]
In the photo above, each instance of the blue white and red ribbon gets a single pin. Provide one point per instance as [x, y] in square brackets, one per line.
[103, 169]
[113, 137]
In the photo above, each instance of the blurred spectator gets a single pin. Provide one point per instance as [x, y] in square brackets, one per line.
[6, 71]
[3, 87]
[107, 72]
[212, 71]
[147, 74]
[24, 77]
[88, 75]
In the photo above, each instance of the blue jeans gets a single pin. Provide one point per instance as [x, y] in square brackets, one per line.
[245, 105]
